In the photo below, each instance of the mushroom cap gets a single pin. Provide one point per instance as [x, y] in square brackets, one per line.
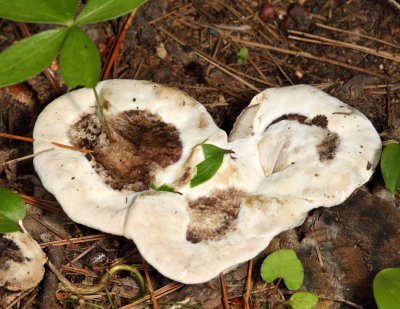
[295, 149]
[21, 264]
[69, 176]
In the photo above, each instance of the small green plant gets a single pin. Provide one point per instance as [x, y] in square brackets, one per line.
[80, 62]
[284, 265]
[12, 210]
[390, 166]
[387, 288]
[205, 170]
[242, 55]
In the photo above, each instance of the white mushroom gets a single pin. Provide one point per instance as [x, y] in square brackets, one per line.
[295, 149]
[150, 122]
[21, 261]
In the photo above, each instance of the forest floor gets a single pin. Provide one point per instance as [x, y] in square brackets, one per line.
[349, 49]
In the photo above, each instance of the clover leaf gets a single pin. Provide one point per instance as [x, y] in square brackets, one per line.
[303, 300]
[283, 264]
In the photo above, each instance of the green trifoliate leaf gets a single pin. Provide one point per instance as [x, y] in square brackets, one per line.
[163, 187]
[390, 166]
[7, 225]
[387, 288]
[12, 206]
[39, 11]
[205, 170]
[242, 55]
[30, 56]
[283, 263]
[303, 300]
[80, 60]
[101, 10]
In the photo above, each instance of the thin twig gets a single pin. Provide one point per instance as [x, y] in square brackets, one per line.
[76, 240]
[307, 55]
[225, 295]
[27, 157]
[248, 285]
[116, 46]
[153, 299]
[165, 290]
[331, 42]
[358, 34]
[394, 4]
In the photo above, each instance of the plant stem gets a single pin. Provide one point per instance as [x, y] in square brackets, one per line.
[103, 119]
[86, 290]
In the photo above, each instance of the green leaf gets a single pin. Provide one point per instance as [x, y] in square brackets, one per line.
[283, 263]
[163, 187]
[242, 55]
[387, 288]
[101, 10]
[7, 225]
[206, 169]
[30, 56]
[39, 11]
[303, 300]
[390, 166]
[80, 60]
[12, 206]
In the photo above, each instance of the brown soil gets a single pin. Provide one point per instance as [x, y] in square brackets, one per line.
[186, 44]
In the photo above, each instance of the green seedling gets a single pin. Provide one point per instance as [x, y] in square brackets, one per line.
[390, 166]
[242, 55]
[163, 187]
[12, 210]
[80, 63]
[284, 265]
[387, 288]
[205, 170]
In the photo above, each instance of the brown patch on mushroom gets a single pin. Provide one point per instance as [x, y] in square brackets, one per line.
[9, 250]
[212, 216]
[297, 117]
[203, 121]
[106, 104]
[327, 148]
[143, 143]
[319, 120]
[369, 165]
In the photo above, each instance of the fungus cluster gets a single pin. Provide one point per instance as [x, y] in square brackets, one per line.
[292, 149]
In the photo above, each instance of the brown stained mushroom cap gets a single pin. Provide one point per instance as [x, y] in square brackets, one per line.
[156, 129]
[295, 149]
[21, 261]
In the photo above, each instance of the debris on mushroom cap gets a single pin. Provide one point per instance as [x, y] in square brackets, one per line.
[21, 261]
[294, 149]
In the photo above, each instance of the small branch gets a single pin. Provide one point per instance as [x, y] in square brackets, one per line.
[394, 4]
[27, 157]
[153, 298]
[87, 290]
[225, 295]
